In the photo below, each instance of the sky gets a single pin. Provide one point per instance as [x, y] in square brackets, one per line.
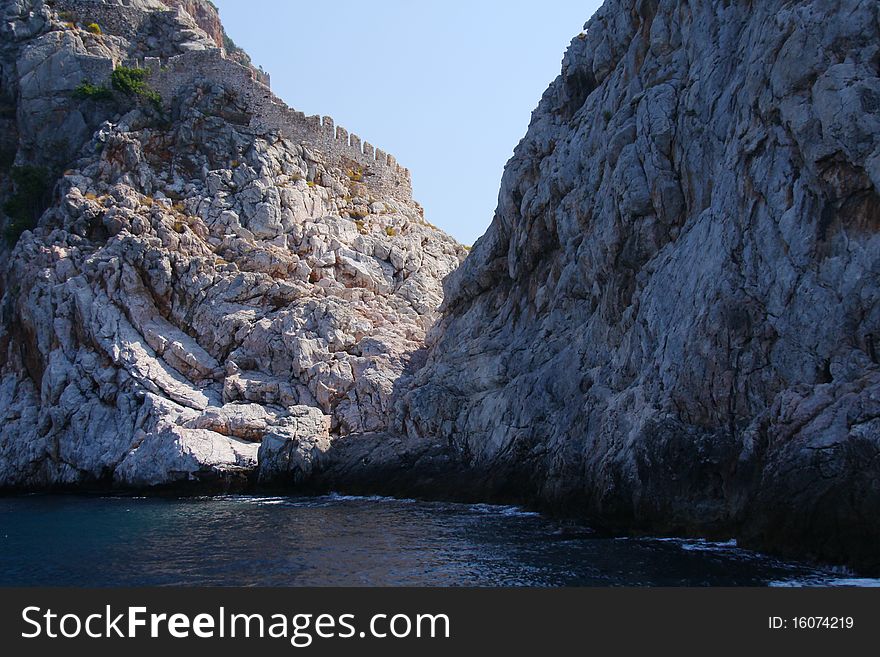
[447, 87]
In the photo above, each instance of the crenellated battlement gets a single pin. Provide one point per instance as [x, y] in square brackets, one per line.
[269, 114]
[334, 145]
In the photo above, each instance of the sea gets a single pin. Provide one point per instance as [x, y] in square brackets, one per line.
[339, 540]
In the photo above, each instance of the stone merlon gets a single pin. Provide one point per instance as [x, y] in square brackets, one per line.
[270, 114]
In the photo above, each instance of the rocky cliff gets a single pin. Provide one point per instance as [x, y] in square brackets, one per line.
[207, 17]
[671, 326]
[192, 271]
[673, 323]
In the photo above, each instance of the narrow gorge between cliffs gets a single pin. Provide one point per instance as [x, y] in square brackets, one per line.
[670, 328]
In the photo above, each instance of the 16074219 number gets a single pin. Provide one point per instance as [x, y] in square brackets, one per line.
[811, 623]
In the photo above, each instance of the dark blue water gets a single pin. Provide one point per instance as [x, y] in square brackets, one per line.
[336, 540]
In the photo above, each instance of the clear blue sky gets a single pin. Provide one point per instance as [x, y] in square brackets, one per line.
[447, 87]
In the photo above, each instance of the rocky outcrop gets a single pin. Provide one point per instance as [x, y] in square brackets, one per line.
[672, 323]
[206, 16]
[203, 288]
[47, 53]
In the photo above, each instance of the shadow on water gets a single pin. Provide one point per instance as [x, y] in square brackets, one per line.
[339, 540]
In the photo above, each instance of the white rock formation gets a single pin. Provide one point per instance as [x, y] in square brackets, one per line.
[195, 287]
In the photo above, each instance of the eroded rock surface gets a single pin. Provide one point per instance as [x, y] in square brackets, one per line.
[673, 322]
[671, 326]
[198, 285]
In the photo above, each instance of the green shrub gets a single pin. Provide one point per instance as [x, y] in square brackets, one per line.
[88, 91]
[129, 80]
[606, 115]
[94, 28]
[153, 96]
[390, 231]
[27, 203]
[133, 82]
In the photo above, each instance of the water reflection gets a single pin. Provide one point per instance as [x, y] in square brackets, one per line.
[338, 540]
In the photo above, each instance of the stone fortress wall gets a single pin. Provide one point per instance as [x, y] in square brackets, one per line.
[334, 146]
[119, 19]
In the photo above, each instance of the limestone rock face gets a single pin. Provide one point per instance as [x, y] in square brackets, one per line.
[293, 451]
[197, 284]
[207, 18]
[673, 322]
[205, 14]
[47, 51]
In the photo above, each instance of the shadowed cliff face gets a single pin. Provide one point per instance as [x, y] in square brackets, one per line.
[673, 322]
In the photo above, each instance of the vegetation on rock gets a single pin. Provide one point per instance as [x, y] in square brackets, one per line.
[88, 91]
[133, 82]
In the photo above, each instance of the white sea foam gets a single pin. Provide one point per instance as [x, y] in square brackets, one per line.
[496, 509]
[693, 544]
[833, 576]
[701, 545]
[862, 582]
[859, 582]
[247, 499]
[339, 497]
